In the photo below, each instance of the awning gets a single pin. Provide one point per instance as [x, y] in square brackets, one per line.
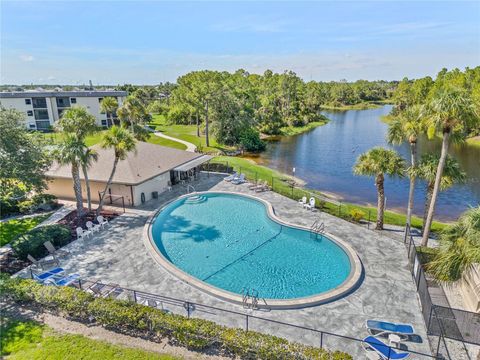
[193, 163]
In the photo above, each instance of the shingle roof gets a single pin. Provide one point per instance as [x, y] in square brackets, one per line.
[149, 161]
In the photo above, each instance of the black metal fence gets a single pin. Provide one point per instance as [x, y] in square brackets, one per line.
[245, 320]
[441, 321]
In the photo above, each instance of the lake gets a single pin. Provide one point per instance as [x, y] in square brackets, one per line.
[324, 158]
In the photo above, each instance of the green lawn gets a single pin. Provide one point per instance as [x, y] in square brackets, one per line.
[359, 106]
[31, 340]
[11, 229]
[281, 186]
[166, 142]
[296, 130]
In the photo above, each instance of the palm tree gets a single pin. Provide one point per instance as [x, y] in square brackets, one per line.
[70, 152]
[132, 110]
[109, 105]
[427, 170]
[452, 113]
[407, 127]
[88, 158]
[122, 142]
[459, 248]
[378, 162]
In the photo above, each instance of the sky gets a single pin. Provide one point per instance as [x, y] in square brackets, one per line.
[116, 42]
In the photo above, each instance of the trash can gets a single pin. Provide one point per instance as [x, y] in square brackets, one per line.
[154, 194]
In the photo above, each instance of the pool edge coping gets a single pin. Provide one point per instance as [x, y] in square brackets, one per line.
[348, 285]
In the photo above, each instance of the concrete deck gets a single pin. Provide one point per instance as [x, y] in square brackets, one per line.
[387, 292]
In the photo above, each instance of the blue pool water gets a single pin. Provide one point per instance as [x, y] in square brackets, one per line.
[229, 241]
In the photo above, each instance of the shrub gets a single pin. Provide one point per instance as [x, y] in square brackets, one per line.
[356, 215]
[132, 318]
[250, 140]
[8, 206]
[44, 199]
[26, 207]
[32, 242]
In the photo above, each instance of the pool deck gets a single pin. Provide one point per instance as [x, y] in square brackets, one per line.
[387, 291]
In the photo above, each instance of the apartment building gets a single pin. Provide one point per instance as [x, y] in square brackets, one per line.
[43, 108]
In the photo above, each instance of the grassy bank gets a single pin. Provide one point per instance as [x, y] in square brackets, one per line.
[31, 340]
[12, 229]
[297, 130]
[359, 106]
[474, 141]
[282, 185]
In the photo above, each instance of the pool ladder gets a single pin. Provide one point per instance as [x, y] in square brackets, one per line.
[190, 187]
[317, 228]
[250, 299]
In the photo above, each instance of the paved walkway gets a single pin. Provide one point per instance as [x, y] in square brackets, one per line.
[387, 292]
[190, 147]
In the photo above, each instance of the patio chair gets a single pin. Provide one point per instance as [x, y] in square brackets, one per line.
[82, 233]
[102, 221]
[383, 350]
[311, 204]
[42, 263]
[253, 185]
[262, 187]
[376, 327]
[102, 290]
[92, 227]
[303, 201]
[55, 252]
[55, 272]
[231, 177]
[64, 281]
[239, 180]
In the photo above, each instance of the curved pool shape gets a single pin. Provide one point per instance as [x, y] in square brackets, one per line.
[226, 242]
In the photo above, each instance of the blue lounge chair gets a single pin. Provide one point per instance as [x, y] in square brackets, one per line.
[55, 272]
[239, 180]
[384, 327]
[231, 177]
[383, 350]
[64, 281]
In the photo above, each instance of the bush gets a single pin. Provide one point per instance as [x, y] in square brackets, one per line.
[32, 242]
[8, 206]
[250, 140]
[357, 215]
[129, 317]
[26, 207]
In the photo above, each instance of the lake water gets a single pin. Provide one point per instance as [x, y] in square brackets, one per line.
[324, 158]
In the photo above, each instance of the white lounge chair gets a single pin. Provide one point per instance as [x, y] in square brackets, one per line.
[92, 227]
[82, 233]
[303, 201]
[311, 204]
[55, 252]
[64, 281]
[102, 221]
[239, 180]
[231, 177]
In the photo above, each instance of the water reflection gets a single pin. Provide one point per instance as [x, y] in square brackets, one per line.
[324, 157]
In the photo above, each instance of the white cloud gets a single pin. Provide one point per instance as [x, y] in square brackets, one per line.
[26, 57]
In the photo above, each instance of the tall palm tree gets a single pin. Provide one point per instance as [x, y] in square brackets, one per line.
[378, 162]
[70, 151]
[407, 127]
[459, 248]
[88, 158]
[452, 113]
[122, 142]
[132, 110]
[109, 105]
[427, 170]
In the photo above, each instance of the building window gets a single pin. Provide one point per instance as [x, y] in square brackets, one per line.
[43, 125]
[63, 102]
[28, 101]
[104, 122]
[30, 113]
[39, 103]
[73, 100]
[60, 112]
[41, 115]
[100, 100]
[32, 126]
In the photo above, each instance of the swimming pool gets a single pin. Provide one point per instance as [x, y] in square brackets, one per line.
[224, 243]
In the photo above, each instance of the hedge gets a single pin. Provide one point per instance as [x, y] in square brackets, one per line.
[32, 242]
[135, 319]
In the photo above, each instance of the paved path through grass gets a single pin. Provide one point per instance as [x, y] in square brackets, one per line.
[190, 146]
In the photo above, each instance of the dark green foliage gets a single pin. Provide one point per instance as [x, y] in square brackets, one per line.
[32, 242]
[250, 140]
[129, 317]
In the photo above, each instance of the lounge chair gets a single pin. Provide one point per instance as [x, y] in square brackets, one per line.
[92, 227]
[231, 177]
[376, 327]
[262, 187]
[64, 281]
[311, 204]
[383, 350]
[103, 290]
[303, 201]
[55, 252]
[239, 180]
[42, 263]
[82, 233]
[55, 272]
[252, 186]
[102, 221]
